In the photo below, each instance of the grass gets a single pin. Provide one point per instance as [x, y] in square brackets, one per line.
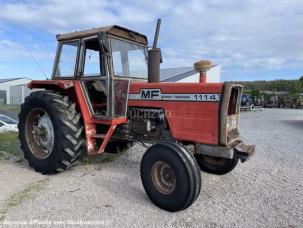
[9, 143]
[102, 158]
[18, 198]
[99, 160]
[96, 159]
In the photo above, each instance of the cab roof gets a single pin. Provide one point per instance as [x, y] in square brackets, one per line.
[113, 30]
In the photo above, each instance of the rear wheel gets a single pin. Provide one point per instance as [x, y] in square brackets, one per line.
[170, 176]
[50, 132]
[216, 165]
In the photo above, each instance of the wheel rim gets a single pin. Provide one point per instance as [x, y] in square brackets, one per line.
[40, 133]
[214, 160]
[163, 177]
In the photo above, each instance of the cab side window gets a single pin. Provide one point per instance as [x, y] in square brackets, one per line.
[67, 60]
[94, 64]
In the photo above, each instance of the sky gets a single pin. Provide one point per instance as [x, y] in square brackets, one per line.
[252, 39]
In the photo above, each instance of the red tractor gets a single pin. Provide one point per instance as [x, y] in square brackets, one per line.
[105, 93]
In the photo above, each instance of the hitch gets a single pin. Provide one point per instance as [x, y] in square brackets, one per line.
[236, 150]
[244, 152]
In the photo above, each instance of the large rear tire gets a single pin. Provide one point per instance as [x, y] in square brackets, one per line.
[50, 132]
[216, 165]
[170, 176]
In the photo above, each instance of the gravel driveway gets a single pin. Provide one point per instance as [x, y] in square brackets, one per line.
[265, 191]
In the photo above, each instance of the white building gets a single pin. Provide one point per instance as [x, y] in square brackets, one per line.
[13, 90]
[188, 74]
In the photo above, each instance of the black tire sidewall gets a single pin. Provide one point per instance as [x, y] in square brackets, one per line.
[184, 189]
[219, 169]
[44, 103]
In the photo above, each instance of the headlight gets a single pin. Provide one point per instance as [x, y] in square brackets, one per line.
[228, 123]
[232, 122]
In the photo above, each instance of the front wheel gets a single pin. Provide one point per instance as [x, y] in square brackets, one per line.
[216, 165]
[170, 176]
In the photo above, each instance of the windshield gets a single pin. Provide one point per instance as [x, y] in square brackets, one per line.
[7, 120]
[129, 60]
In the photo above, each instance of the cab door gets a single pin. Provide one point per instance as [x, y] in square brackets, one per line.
[106, 96]
[95, 77]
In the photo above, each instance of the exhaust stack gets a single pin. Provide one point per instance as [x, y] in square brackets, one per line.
[202, 66]
[154, 58]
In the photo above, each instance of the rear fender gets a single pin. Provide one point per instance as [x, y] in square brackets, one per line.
[65, 87]
[72, 89]
[51, 84]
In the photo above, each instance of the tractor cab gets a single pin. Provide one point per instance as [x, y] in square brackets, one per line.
[104, 60]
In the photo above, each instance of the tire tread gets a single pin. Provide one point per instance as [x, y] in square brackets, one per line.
[72, 128]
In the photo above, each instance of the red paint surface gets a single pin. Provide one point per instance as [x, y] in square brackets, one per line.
[188, 121]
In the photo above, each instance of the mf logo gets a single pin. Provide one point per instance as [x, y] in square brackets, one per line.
[150, 94]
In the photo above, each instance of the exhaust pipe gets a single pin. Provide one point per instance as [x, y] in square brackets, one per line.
[154, 58]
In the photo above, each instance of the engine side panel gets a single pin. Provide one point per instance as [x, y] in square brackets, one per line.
[191, 109]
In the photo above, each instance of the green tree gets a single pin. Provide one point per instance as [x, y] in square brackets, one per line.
[256, 93]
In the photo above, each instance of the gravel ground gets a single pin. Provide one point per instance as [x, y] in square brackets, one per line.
[267, 191]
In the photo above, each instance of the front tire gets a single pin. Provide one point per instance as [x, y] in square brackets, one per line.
[216, 165]
[50, 132]
[170, 176]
